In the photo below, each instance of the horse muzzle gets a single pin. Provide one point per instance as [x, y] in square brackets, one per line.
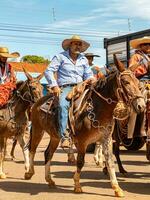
[139, 104]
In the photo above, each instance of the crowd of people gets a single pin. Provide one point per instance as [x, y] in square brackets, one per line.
[72, 67]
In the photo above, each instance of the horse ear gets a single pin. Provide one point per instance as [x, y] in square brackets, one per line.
[107, 70]
[120, 66]
[40, 76]
[29, 77]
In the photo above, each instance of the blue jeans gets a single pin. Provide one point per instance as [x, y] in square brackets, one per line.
[63, 111]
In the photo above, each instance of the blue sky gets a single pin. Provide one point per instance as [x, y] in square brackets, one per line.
[38, 27]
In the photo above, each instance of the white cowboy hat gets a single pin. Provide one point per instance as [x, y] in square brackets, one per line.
[135, 44]
[66, 43]
[91, 55]
[4, 52]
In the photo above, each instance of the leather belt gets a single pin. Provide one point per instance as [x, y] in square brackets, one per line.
[68, 85]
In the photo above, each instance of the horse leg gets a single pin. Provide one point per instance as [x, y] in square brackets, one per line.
[2, 156]
[36, 134]
[71, 157]
[107, 149]
[80, 164]
[98, 154]
[25, 150]
[13, 148]
[53, 144]
[116, 151]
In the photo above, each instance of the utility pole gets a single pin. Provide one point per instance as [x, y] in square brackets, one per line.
[129, 25]
[53, 13]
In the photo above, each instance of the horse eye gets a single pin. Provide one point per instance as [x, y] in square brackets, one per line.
[126, 82]
[33, 88]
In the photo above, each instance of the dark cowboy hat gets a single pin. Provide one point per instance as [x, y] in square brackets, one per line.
[4, 52]
[66, 43]
[91, 55]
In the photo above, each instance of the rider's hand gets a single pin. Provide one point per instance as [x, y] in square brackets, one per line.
[56, 90]
[90, 81]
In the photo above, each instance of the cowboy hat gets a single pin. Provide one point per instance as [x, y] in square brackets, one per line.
[4, 52]
[135, 44]
[66, 43]
[91, 55]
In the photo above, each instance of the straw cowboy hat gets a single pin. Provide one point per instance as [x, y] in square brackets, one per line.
[66, 43]
[4, 52]
[135, 44]
[91, 55]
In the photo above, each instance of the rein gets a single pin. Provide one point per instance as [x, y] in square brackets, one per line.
[18, 92]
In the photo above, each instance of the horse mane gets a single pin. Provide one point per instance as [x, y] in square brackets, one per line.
[103, 82]
[18, 84]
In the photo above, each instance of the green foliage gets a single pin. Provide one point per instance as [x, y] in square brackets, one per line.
[34, 59]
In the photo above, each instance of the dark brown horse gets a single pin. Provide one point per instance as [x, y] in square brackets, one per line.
[95, 123]
[13, 117]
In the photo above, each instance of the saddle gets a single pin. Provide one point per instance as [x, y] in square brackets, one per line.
[50, 105]
[78, 97]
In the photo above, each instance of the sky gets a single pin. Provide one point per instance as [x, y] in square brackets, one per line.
[38, 27]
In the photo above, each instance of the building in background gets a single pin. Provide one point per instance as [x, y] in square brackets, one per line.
[33, 69]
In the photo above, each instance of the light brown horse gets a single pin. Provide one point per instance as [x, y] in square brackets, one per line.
[95, 123]
[13, 117]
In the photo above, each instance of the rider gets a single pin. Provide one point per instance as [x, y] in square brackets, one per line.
[140, 60]
[72, 68]
[96, 69]
[140, 64]
[7, 76]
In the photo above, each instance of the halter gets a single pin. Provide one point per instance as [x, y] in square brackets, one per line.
[29, 92]
[120, 91]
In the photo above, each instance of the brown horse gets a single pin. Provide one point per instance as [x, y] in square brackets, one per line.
[95, 123]
[13, 117]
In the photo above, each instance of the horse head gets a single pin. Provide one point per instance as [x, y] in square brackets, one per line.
[31, 90]
[129, 87]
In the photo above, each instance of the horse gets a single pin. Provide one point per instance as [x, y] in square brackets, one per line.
[94, 123]
[141, 133]
[13, 116]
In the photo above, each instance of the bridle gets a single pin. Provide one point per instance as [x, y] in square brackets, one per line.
[28, 96]
[120, 93]
[121, 90]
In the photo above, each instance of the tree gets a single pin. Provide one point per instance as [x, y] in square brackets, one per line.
[34, 59]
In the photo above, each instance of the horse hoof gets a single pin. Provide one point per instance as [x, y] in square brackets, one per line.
[105, 171]
[2, 176]
[119, 193]
[72, 161]
[51, 184]
[78, 190]
[124, 173]
[28, 176]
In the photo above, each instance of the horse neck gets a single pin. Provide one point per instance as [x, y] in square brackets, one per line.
[109, 87]
[19, 102]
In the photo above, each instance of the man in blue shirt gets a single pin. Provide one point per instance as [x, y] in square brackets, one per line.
[71, 67]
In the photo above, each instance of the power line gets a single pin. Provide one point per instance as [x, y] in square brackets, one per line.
[40, 28]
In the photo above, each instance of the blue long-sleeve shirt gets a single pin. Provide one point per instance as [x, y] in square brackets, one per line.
[67, 71]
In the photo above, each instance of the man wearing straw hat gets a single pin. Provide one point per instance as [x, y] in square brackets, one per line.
[72, 68]
[140, 65]
[7, 77]
[140, 61]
